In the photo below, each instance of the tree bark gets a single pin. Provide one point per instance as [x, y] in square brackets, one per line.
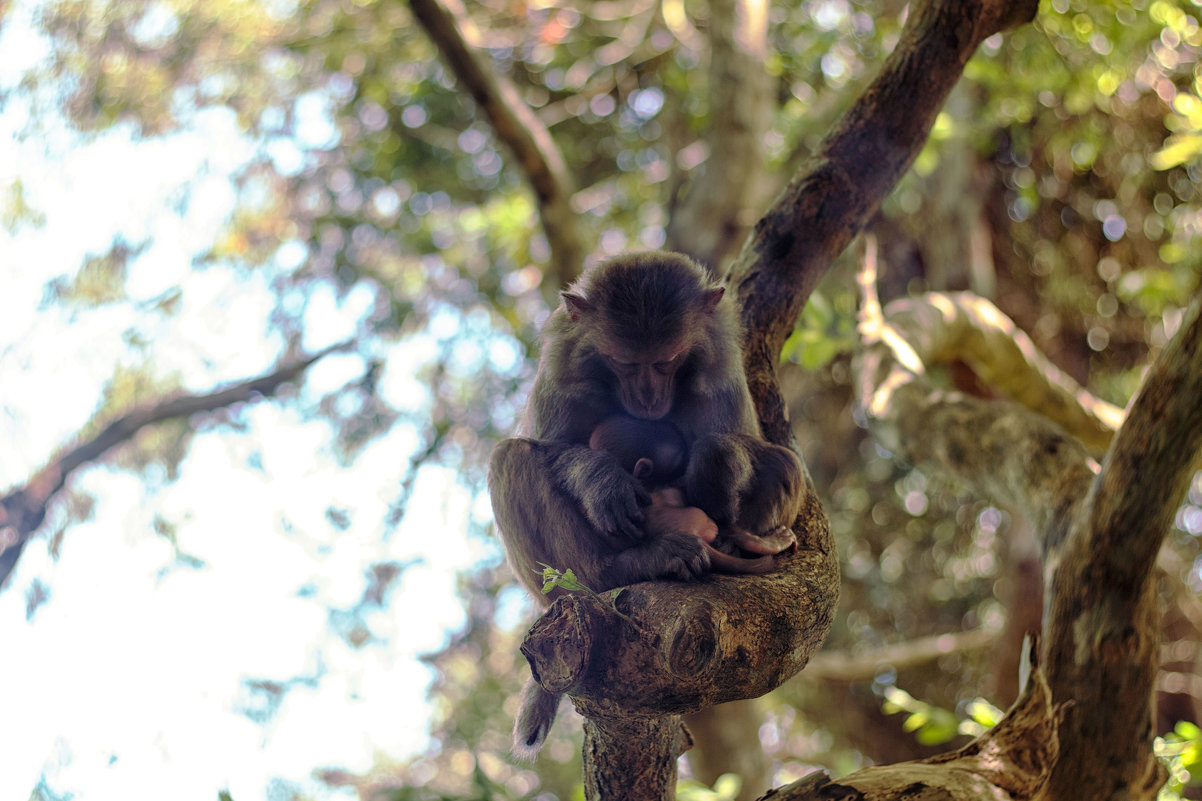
[23, 509]
[1010, 762]
[448, 26]
[1102, 623]
[1100, 526]
[824, 207]
[632, 757]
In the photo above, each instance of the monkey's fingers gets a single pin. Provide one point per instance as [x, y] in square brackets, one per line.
[631, 531]
[774, 541]
[630, 519]
[689, 557]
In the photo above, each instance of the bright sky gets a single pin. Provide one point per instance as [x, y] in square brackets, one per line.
[129, 682]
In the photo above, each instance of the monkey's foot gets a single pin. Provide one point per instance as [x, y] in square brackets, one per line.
[773, 542]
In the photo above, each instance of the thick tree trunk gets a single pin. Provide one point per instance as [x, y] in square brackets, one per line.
[1102, 619]
[629, 757]
[1100, 526]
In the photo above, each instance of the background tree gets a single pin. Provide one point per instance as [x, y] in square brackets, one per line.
[368, 178]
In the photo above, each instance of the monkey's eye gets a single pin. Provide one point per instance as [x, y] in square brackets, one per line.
[668, 365]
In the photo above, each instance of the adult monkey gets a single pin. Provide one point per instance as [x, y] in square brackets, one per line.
[648, 335]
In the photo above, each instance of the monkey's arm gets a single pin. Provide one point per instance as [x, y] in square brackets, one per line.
[611, 498]
[743, 482]
[557, 482]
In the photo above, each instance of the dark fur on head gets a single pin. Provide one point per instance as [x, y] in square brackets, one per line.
[646, 297]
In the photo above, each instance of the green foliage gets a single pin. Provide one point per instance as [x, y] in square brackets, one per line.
[1181, 753]
[725, 788]
[825, 330]
[566, 580]
[933, 725]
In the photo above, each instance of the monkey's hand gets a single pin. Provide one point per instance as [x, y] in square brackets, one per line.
[612, 499]
[684, 556]
[675, 555]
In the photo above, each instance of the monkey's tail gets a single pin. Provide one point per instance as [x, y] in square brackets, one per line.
[534, 720]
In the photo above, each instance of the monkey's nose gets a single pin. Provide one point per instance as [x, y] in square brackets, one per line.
[652, 408]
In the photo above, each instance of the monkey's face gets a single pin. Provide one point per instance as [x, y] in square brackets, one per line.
[646, 378]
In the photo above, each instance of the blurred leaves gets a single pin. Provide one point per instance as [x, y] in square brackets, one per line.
[932, 725]
[1062, 180]
[822, 333]
[1181, 752]
[100, 280]
[15, 211]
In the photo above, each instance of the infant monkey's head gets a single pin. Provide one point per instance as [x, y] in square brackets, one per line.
[653, 451]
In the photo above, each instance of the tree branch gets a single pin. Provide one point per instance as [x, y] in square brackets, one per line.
[1102, 620]
[449, 27]
[946, 327]
[1100, 534]
[713, 216]
[822, 210]
[1010, 762]
[1157, 450]
[687, 649]
[23, 509]
[996, 448]
[864, 665]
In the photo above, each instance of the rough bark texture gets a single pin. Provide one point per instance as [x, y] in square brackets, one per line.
[1010, 762]
[1102, 618]
[448, 26]
[633, 757]
[1100, 526]
[689, 645]
[23, 509]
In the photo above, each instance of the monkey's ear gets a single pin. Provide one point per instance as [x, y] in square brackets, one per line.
[577, 305]
[710, 301]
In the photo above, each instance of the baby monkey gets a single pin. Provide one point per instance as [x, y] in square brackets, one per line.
[654, 452]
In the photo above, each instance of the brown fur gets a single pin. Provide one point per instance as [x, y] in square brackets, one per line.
[649, 336]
